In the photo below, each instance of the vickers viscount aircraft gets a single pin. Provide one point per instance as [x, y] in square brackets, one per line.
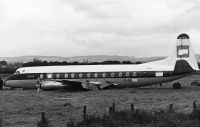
[181, 63]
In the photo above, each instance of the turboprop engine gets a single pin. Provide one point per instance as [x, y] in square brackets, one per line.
[52, 85]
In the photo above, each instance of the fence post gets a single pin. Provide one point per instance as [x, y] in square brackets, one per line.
[194, 106]
[113, 107]
[43, 122]
[43, 119]
[1, 122]
[84, 113]
[170, 108]
[132, 107]
[110, 110]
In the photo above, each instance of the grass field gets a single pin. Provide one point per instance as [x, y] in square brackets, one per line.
[23, 107]
[140, 118]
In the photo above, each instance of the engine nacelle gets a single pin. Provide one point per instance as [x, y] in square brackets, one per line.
[51, 85]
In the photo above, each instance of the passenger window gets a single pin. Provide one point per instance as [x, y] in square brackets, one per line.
[57, 75]
[134, 74]
[41, 76]
[80, 75]
[96, 75]
[66, 75]
[72, 75]
[88, 75]
[49, 76]
[112, 74]
[127, 74]
[104, 75]
[120, 74]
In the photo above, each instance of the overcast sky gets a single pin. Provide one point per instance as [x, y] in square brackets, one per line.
[96, 27]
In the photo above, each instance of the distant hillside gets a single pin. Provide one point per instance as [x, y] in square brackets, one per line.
[100, 58]
[92, 58]
[24, 59]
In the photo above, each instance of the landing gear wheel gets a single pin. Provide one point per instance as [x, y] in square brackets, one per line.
[176, 85]
[193, 84]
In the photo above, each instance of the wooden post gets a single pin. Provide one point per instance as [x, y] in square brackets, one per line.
[84, 113]
[194, 106]
[1, 122]
[132, 107]
[113, 107]
[171, 108]
[137, 111]
[43, 122]
[110, 110]
[43, 119]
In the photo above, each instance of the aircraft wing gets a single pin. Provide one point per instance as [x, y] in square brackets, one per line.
[64, 84]
[99, 85]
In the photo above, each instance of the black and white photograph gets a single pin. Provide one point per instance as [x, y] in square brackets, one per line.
[99, 63]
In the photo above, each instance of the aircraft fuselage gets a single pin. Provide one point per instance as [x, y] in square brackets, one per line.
[122, 78]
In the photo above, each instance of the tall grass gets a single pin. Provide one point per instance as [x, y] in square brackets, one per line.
[141, 118]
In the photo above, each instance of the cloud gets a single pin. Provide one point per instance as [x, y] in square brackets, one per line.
[132, 18]
[77, 27]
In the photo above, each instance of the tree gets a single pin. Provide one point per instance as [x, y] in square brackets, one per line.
[127, 62]
[138, 62]
[111, 62]
[3, 62]
[36, 60]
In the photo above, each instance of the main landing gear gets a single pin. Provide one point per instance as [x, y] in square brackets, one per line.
[177, 85]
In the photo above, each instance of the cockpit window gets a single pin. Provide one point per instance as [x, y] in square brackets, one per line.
[17, 72]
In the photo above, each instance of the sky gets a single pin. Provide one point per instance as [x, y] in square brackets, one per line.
[140, 28]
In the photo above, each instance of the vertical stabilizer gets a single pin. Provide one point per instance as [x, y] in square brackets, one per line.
[184, 52]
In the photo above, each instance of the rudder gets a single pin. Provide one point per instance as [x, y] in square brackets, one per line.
[184, 57]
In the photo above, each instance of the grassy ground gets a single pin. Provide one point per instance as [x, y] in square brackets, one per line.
[23, 107]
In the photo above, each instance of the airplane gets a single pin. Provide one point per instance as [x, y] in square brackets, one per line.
[181, 63]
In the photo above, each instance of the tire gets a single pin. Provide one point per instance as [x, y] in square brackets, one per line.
[176, 85]
[194, 84]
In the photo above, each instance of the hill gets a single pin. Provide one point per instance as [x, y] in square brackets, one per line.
[92, 58]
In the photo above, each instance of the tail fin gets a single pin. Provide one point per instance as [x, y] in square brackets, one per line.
[182, 58]
[183, 55]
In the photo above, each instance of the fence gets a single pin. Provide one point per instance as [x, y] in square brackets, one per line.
[44, 122]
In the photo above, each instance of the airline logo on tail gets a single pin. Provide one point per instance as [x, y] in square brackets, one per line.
[183, 51]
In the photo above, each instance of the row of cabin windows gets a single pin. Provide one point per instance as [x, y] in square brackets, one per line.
[89, 75]
[86, 75]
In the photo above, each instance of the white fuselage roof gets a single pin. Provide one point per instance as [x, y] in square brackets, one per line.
[95, 68]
